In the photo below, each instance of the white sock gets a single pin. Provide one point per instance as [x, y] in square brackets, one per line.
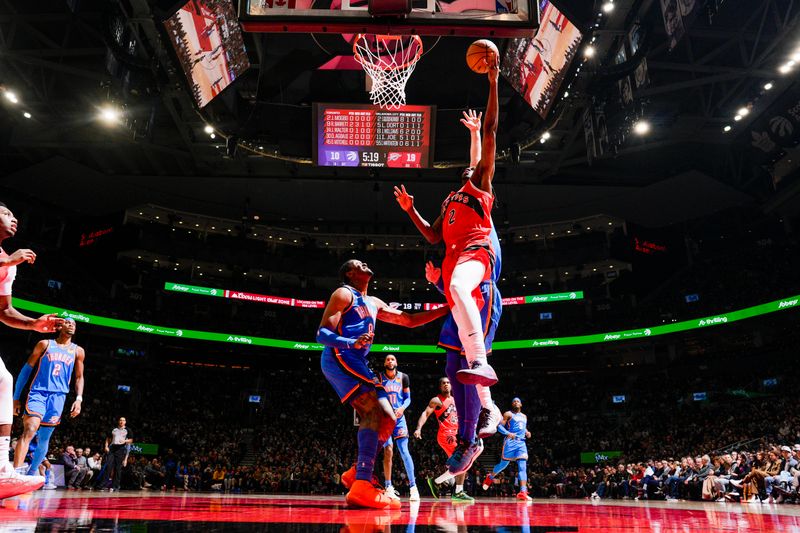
[5, 442]
[485, 395]
[459, 488]
[469, 332]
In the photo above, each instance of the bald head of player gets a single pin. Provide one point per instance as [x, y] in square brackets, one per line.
[67, 329]
[8, 222]
[355, 272]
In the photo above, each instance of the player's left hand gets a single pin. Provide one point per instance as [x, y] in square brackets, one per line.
[399, 413]
[76, 409]
[432, 273]
[472, 120]
[17, 407]
[48, 323]
[527, 434]
[494, 67]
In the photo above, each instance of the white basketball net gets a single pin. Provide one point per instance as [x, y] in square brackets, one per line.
[389, 61]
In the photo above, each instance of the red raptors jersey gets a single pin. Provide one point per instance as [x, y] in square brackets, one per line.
[447, 416]
[466, 218]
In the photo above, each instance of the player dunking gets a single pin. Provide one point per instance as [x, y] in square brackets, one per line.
[55, 361]
[474, 404]
[515, 429]
[12, 483]
[443, 408]
[347, 329]
[398, 389]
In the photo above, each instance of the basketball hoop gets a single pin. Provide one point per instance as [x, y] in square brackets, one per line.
[389, 61]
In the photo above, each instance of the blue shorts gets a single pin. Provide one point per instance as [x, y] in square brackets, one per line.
[514, 449]
[400, 431]
[350, 376]
[490, 318]
[46, 405]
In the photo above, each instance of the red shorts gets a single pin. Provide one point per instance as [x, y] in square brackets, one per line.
[447, 441]
[480, 253]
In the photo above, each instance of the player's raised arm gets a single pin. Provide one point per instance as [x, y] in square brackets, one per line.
[484, 172]
[472, 121]
[423, 418]
[431, 232]
[80, 355]
[25, 373]
[13, 318]
[340, 300]
[409, 320]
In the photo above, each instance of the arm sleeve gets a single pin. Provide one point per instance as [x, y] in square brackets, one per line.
[22, 380]
[406, 395]
[440, 285]
[330, 338]
[502, 430]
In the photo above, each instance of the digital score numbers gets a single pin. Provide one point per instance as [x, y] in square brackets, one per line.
[366, 136]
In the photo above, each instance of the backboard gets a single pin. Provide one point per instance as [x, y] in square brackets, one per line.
[466, 18]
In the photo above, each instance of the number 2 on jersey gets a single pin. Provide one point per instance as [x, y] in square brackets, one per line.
[56, 370]
[452, 218]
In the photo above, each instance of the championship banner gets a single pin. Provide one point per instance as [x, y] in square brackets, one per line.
[678, 15]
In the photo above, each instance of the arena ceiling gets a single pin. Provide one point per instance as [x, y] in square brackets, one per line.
[66, 58]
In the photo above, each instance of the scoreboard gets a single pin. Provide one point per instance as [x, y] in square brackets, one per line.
[362, 135]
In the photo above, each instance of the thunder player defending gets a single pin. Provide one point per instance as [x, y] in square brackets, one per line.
[398, 389]
[55, 361]
[12, 483]
[444, 409]
[514, 427]
[347, 329]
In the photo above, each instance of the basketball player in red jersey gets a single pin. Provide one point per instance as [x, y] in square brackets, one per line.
[443, 408]
[464, 225]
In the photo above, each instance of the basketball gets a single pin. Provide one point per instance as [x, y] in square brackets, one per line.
[479, 55]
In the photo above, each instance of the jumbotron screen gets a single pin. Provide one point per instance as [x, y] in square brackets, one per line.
[362, 135]
[209, 43]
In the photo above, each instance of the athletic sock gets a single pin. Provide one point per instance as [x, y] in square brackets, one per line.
[367, 450]
[459, 488]
[5, 443]
[485, 395]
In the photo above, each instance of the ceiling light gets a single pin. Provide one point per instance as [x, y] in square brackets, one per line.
[26, 114]
[545, 136]
[589, 51]
[642, 127]
[744, 111]
[208, 129]
[608, 7]
[737, 118]
[784, 69]
[768, 86]
[11, 97]
[566, 94]
[110, 115]
[213, 136]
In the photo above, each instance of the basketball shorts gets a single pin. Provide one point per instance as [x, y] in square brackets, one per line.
[400, 431]
[476, 252]
[47, 406]
[447, 442]
[514, 449]
[350, 376]
[490, 311]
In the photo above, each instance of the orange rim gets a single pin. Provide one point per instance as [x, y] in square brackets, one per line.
[411, 60]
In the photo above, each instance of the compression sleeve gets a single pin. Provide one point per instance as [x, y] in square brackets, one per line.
[330, 338]
[22, 380]
[406, 395]
[503, 430]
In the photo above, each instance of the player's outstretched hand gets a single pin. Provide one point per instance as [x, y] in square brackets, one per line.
[432, 273]
[76, 409]
[17, 407]
[23, 255]
[405, 200]
[363, 340]
[494, 67]
[418, 434]
[472, 120]
[47, 323]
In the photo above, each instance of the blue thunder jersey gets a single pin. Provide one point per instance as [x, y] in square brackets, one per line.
[355, 321]
[55, 368]
[394, 388]
[517, 424]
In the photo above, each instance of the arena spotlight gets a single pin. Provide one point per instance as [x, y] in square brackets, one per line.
[589, 51]
[642, 127]
[11, 97]
[727, 128]
[26, 114]
[737, 118]
[608, 7]
[109, 115]
[744, 111]
[784, 69]
[208, 129]
[768, 86]
[213, 136]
